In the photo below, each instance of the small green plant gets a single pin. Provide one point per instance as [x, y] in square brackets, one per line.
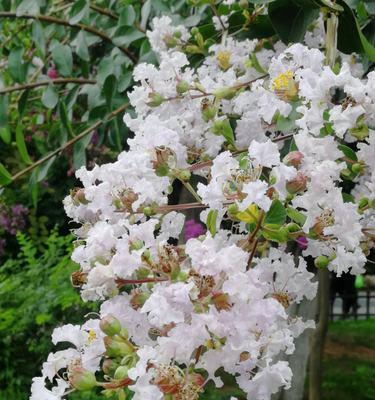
[35, 293]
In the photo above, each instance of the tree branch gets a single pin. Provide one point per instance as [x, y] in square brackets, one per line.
[70, 142]
[53, 20]
[57, 81]
[104, 11]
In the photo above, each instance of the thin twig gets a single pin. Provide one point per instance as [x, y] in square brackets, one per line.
[104, 11]
[87, 28]
[57, 81]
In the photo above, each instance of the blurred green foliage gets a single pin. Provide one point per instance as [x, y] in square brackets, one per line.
[35, 296]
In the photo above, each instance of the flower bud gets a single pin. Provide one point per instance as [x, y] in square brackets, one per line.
[121, 372]
[109, 366]
[115, 347]
[298, 184]
[155, 99]
[321, 262]
[177, 34]
[233, 209]
[148, 211]
[170, 41]
[208, 113]
[226, 93]
[244, 4]
[184, 175]
[194, 30]
[110, 325]
[293, 159]
[138, 299]
[182, 87]
[136, 244]
[81, 379]
[358, 168]
[363, 202]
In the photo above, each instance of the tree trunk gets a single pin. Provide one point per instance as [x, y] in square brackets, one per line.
[318, 337]
[299, 359]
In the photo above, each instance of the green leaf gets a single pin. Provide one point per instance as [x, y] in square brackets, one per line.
[224, 129]
[5, 176]
[127, 16]
[295, 215]
[126, 35]
[276, 214]
[109, 89]
[145, 13]
[62, 56]
[28, 7]
[16, 66]
[22, 102]
[41, 171]
[349, 35]
[78, 11]
[21, 145]
[82, 49]
[124, 81]
[348, 152]
[290, 20]
[5, 134]
[65, 120]
[79, 151]
[211, 221]
[38, 36]
[50, 97]
[4, 102]
[275, 233]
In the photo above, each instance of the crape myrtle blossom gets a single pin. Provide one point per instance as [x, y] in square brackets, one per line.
[264, 156]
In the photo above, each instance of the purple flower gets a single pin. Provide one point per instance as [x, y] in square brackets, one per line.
[193, 229]
[302, 242]
[13, 219]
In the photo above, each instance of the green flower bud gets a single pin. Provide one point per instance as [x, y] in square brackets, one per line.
[115, 347]
[363, 202]
[155, 99]
[177, 34]
[209, 113]
[110, 325]
[109, 366]
[121, 372]
[162, 170]
[148, 211]
[244, 4]
[357, 168]
[194, 30]
[142, 273]
[321, 262]
[136, 244]
[182, 87]
[226, 93]
[182, 276]
[184, 175]
[124, 333]
[81, 379]
[233, 209]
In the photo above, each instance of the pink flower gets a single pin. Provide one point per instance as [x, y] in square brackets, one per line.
[52, 73]
[193, 229]
[302, 242]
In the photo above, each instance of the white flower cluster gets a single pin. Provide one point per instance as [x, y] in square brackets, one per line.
[177, 313]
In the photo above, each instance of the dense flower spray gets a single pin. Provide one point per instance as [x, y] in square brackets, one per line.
[261, 148]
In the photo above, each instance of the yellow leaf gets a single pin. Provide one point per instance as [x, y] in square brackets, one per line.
[250, 215]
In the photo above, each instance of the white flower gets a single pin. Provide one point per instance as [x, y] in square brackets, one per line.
[255, 194]
[265, 154]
